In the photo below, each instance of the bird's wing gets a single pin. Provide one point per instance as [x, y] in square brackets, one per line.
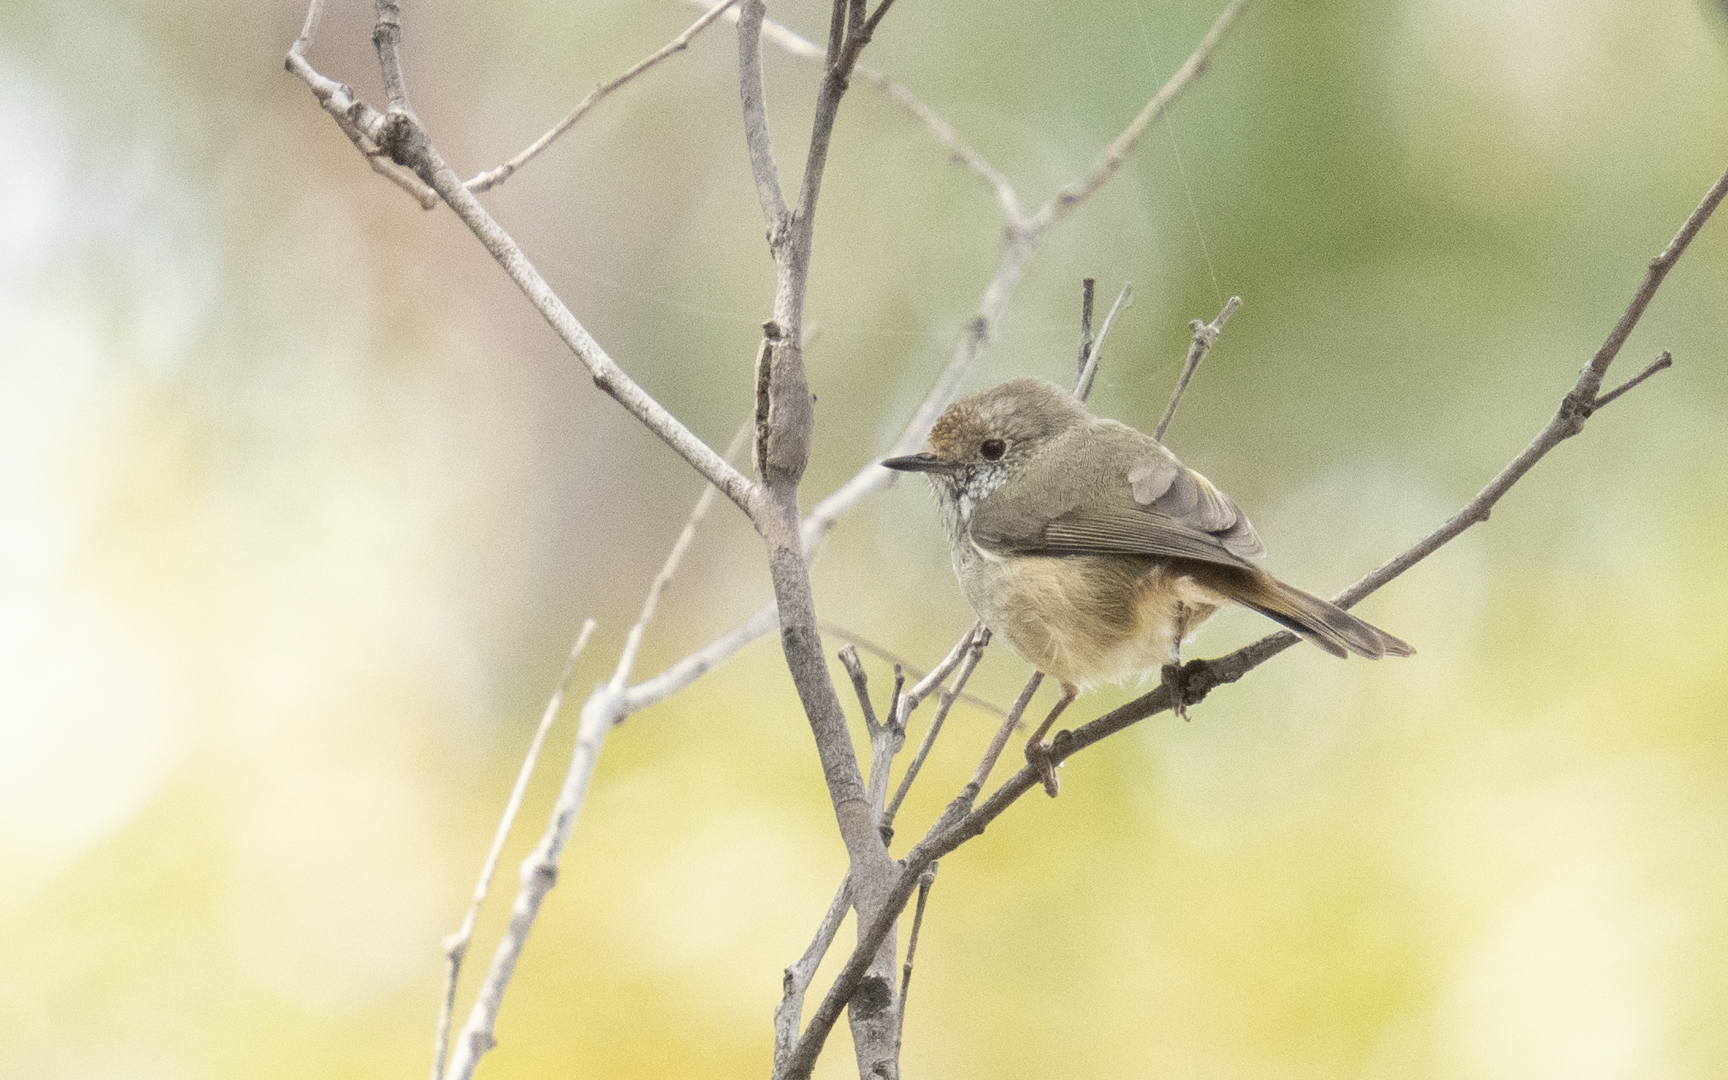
[1134, 532]
[1140, 501]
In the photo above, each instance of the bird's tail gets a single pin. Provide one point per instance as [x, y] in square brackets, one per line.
[1320, 621]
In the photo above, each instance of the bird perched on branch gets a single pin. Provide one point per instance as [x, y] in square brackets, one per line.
[1094, 551]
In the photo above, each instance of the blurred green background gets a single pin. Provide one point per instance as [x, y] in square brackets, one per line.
[301, 505]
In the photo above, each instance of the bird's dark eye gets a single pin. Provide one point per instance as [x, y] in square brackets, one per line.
[993, 449]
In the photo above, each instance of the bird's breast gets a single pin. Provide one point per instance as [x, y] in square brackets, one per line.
[1084, 619]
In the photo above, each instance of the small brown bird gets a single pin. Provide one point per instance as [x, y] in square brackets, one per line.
[1094, 551]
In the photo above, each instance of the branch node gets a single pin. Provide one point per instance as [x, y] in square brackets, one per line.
[540, 870]
[874, 994]
[401, 139]
[1205, 336]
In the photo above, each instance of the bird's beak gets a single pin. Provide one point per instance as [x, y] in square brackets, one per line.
[925, 462]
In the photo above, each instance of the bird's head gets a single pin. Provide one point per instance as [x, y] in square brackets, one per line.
[980, 442]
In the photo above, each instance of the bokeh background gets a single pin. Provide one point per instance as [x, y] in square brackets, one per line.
[301, 505]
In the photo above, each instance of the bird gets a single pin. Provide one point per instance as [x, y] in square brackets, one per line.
[1094, 551]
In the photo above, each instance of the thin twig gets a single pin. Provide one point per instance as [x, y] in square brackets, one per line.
[1119, 150]
[1088, 287]
[1661, 363]
[308, 29]
[881, 652]
[925, 881]
[456, 945]
[987, 763]
[387, 41]
[633, 641]
[979, 638]
[539, 871]
[1658, 269]
[796, 980]
[895, 694]
[608, 376]
[885, 739]
[959, 151]
[603, 702]
[762, 167]
[930, 682]
[1205, 336]
[687, 670]
[410, 148]
[1083, 385]
[493, 177]
[860, 686]
[360, 122]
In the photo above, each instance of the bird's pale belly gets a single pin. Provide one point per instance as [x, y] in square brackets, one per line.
[1086, 619]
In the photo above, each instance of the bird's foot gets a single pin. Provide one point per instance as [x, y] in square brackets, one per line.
[1173, 682]
[1038, 756]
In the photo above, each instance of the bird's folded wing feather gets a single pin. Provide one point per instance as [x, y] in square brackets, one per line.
[1148, 504]
[1127, 531]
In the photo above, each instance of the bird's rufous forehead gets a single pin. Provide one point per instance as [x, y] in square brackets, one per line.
[1018, 410]
[958, 428]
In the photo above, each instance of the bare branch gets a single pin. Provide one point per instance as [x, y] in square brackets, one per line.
[975, 640]
[1205, 336]
[785, 421]
[1088, 287]
[607, 375]
[925, 881]
[885, 739]
[633, 642]
[456, 945]
[539, 873]
[930, 682]
[798, 1063]
[861, 686]
[772, 506]
[493, 177]
[762, 166]
[401, 135]
[883, 653]
[308, 29]
[958, 149]
[363, 124]
[1073, 194]
[1661, 363]
[797, 978]
[699, 663]
[1658, 269]
[1575, 409]
[1083, 385]
[607, 700]
[387, 40]
[987, 764]
[796, 45]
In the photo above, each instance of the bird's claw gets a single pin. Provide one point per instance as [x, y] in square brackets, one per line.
[1038, 756]
[1173, 683]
